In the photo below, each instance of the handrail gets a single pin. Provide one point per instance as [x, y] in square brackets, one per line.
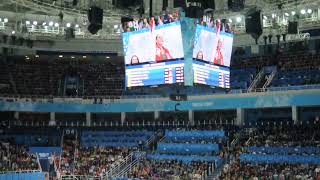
[21, 171]
[256, 79]
[116, 166]
[66, 99]
[274, 72]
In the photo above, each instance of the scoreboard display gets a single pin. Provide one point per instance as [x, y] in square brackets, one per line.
[154, 56]
[169, 72]
[210, 74]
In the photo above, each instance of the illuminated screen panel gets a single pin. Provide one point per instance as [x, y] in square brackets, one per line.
[154, 57]
[212, 47]
[211, 75]
[169, 72]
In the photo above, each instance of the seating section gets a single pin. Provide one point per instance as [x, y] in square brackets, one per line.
[16, 158]
[285, 152]
[242, 78]
[114, 138]
[286, 78]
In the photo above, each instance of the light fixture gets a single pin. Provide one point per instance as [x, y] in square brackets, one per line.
[37, 55]
[265, 17]
[68, 25]
[309, 11]
[5, 20]
[293, 13]
[44, 23]
[303, 11]
[76, 26]
[27, 22]
[107, 57]
[238, 19]
[60, 56]
[72, 57]
[286, 14]
[56, 24]
[35, 23]
[50, 23]
[13, 32]
[230, 20]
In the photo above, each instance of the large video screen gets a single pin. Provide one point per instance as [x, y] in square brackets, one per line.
[154, 57]
[212, 47]
[210, 74]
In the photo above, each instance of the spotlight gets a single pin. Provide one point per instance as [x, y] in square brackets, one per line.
[35, 23]
[27, 22]
[68, 25]
[293, 13]
[76, 26]
[303, 11]
[230, 20]
[13, 32]
[5, 20]
[309, 11]
[265, 17]
[238, 19]
[56, 25]
[50, 23]
[286, 14]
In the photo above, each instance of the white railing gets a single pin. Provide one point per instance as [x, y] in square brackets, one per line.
[117, 167]
[274, 72]
[256, 80]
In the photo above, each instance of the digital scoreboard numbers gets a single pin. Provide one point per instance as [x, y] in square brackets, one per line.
[210, 74]
[153, 74]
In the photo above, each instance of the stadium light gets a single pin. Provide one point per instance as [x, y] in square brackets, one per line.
[68, 25]
[56, 24]
[230, 20]
[238, 19]
[27, 22]
[50, 23]
[303, 11]
[5, 20]
[35, 23]
[286, 14]
[309, 11]
[293, 13]
[76, 26]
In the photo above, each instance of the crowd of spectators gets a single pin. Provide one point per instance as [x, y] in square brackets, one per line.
[281, 136]
[170, 169]
[14, 157]
[68, 154]
[95, 161]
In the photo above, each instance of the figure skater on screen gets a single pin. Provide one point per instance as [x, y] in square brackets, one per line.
[134, 60]
[162, 53]
[200, 55]
[218, 57]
